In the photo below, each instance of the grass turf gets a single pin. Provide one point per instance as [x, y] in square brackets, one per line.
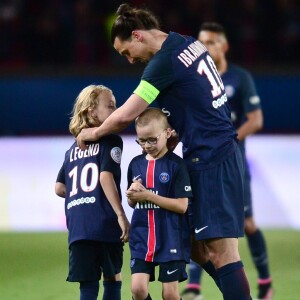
[33, 266]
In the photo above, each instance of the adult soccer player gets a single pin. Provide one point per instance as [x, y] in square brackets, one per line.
[247, 117]
[182, 77]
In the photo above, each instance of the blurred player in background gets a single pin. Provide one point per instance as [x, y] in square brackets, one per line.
[158, 190]
[247, 117]
[90, 183]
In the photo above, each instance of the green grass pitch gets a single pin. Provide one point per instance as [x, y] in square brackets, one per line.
[33, 266]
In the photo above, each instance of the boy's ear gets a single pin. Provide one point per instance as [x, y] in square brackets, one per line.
[91, 113]
[169, 132]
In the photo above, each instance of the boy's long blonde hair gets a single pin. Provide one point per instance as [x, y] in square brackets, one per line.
[86, 101]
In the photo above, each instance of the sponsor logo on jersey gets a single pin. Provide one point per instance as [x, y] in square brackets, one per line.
[146, 205]
[116, 154]
[164, 177]
[220, 101]
[82, 200]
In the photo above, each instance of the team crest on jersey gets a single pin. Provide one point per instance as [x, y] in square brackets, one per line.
[230, 90]
[116, 154]
[164, 177]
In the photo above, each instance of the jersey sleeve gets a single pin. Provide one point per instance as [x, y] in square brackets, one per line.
[250, 98]
[112, 154]
[129, 175]
[182, 185]
[157, 76]
[61, 175]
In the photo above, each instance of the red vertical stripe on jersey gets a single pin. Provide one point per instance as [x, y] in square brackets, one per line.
[150, 174]
[151, 236]
[151, 218]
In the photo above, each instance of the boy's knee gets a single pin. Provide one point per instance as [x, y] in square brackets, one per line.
[139, 291]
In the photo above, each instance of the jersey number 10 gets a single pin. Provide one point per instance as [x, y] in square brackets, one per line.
[210, 70]
[84, 184]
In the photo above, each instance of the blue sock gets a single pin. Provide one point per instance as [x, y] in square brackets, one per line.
[258, 251]
[89, 290]
[234, 283]
[112, 290]
[211, 270]
[195, 272]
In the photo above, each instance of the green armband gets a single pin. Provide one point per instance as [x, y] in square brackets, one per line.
[146, 91]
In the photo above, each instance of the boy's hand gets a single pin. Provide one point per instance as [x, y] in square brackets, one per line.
[125, 226]
[136, 186]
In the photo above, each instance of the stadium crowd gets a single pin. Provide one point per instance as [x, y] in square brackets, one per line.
[76, 33]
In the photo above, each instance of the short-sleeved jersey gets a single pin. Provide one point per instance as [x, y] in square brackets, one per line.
[159, 235]
[89, 214]
[241, 93]
[184, 80]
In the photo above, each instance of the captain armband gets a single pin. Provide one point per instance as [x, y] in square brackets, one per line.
[146, 91]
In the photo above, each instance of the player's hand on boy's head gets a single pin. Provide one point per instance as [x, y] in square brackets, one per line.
[86, 134]
[173, 140]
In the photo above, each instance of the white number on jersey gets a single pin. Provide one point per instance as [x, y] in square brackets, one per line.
[212, 75]
[84, 184]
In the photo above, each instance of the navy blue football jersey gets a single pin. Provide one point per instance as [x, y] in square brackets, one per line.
[241, 94]
[89, 215]
[159, 235]
[188, 88]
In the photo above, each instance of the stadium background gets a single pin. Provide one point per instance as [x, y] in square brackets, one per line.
[50, 50]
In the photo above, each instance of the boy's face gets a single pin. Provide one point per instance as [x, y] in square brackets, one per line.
[153, 138]
[105, 107]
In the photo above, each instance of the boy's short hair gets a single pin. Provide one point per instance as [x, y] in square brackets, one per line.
[151, 114]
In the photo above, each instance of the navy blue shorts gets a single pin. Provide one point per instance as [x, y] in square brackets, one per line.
[89, 259]
[218, 199]
[168, 271]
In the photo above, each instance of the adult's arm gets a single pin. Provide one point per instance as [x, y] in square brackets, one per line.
[116, 122]
[253, 124]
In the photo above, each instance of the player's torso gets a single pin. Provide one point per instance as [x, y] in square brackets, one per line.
[89, 214]
[195, 102]
[152, 226]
